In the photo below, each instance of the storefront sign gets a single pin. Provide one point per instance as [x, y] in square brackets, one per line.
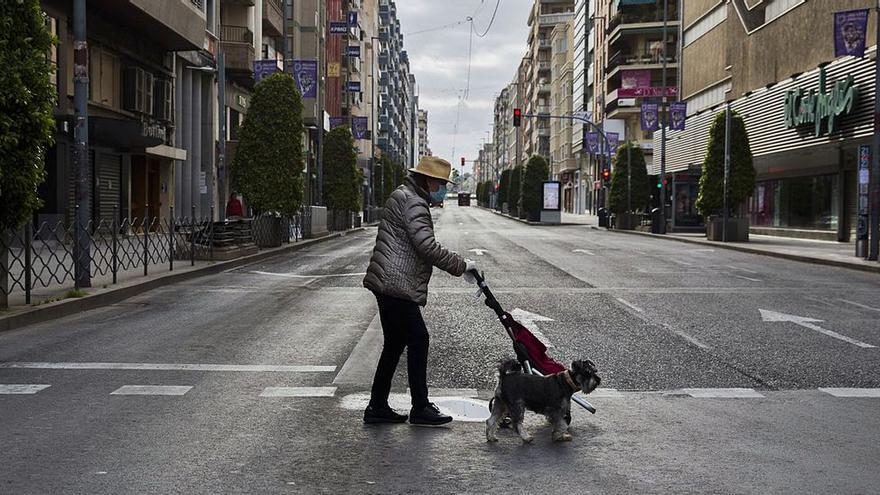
[354, 86]
[637, 84]
[338, 27]
[821, 108]
[551, 195]
[354, 51]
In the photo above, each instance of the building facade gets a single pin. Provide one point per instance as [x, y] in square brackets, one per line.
[423, 133]
[397, 105]
[806, 165]
[562, 160]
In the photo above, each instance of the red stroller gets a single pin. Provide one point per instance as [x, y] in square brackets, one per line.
[530, 351]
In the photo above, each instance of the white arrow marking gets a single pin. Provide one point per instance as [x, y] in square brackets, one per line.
[479, 252]
[583, 251]
[529, 320]
[809, 323]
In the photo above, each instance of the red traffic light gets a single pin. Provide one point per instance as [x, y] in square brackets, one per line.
[606, 173]
[517, 117]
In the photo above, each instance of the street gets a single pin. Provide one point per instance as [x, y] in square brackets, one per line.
[722, 372]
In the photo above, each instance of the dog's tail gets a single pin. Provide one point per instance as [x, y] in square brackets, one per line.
[509, 366]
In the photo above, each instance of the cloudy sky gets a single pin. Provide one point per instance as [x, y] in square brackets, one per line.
[439, 60]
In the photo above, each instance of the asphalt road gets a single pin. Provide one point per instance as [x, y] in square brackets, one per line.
[253, 380]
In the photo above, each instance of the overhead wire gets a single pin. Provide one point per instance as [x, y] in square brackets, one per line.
[491, 21]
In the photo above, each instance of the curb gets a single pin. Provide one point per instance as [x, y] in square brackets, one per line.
[121, 292]
[537, 224]
[745, 249]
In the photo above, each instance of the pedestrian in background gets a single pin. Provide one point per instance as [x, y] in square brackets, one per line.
[233, 208]
[400, 268]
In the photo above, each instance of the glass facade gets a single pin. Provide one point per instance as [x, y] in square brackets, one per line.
[809, 203]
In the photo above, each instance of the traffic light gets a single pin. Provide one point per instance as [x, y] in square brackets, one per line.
[662, 183]
[462, 162]
[517, 117]
[606, 176]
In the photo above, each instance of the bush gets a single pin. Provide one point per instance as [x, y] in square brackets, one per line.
[27, 99]
[513, 195]
[342, 177]
[536, 173]
[268, 166]
[710, 200]
[640, 187]
[479, 191]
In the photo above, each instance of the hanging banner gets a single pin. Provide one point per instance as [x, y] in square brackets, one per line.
[305, 72]
[359, 127]
[354, 51]
[850, 28]
[354, 86]
[334, 69]
[338, 27]
[613, 142]
[352, 18]
[336, 122]
[637, 84]
[264, 68]
[650, 117]
[677, 115]
[592, 140]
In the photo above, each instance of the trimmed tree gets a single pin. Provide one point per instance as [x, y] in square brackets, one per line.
[710, 200]
[514, 190]
[27, 98]
[503, 187]
[536, 173]
[392, 175]
[342, 186]
[268, 166]
[640, 188]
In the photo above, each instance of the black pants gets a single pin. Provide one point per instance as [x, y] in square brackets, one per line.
[403, 327]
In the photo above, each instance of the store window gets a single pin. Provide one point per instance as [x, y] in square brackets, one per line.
[809, 203]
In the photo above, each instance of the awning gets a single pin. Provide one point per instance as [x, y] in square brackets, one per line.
[124, 133]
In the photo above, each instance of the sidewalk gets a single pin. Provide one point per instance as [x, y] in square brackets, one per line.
[567, 219]
[809, 251]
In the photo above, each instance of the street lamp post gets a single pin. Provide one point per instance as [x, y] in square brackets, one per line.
[663, 121]
[874, 178]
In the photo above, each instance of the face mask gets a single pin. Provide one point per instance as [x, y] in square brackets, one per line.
[439, 194]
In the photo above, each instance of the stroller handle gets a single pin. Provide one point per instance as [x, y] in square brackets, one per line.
[490, 298]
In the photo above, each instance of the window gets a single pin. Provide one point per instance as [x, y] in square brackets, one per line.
[104, 72]
[706, 24]
[776, 8]
[210, 15]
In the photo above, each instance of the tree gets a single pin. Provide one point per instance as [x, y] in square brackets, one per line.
[536, 173]
[268, 166]
[503, 187]
[710, 200]
[27, 99]
[640, 187]
[514, 189]
[388, 176]
[342, 177]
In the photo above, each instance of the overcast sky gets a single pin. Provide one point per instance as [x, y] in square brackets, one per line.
[439, 61]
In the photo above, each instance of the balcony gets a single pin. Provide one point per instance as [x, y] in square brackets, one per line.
[544, 43]
[273, 18]
[170, 24]
[543, 65]
[546, 20]
[642, 14]
[237, 44]
[543, 87]
[643, 59]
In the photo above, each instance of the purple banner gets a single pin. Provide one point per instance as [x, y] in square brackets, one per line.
[850, 28]
[592, 142]
[613, 142]
[677, 115]
[671, 91]
[264, 68]
[650, 117]
[336, 122]
[305, 73]
[359, 127]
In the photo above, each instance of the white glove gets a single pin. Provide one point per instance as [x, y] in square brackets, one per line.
[468, 276]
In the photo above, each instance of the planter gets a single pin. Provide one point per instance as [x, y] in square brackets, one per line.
[737, 229]
[626, 221]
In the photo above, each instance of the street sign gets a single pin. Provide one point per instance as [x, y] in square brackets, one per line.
[354, 51]
[354, 86]
[338, 27]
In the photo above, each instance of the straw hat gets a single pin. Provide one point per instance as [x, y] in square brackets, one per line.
[434, 167]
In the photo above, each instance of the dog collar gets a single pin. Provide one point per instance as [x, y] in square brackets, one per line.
[569, 381]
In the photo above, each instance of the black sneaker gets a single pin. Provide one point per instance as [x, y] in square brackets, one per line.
[428, 415]
[373, 415]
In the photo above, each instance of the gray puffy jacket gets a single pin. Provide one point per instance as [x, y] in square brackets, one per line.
[406, 250]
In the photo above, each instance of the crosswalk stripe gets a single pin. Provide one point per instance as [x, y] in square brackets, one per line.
[298, 392]
[722, 393]
[254, 368]
[20, 388]
[152, 390]
[851, 392]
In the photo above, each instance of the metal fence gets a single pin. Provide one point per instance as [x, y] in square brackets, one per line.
[48, 255]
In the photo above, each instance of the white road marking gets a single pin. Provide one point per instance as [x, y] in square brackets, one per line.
[529, 320]
[704, 250]
[584, 251]
[773, 316]
[360, 366]
[677, 262]
[630, 305]
[478, 252]
[722, 393]
[175, 390]
[747, 278]
[690, 339]
[741, 269]
[860, 305]
[604, 393]
[20, 388]
[253, 368]
[851, 392]
[293, 275]
[451, 392]
[298, 392]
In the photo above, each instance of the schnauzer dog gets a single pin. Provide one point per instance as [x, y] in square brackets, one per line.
[547, 395]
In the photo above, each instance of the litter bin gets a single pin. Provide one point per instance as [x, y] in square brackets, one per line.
[602, 213]
[656, 220]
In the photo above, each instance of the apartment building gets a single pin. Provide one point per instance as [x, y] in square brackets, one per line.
[583, 83]
[423, 133]
[562, 161]
[396, 89]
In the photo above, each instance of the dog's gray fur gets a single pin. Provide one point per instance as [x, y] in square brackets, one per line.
[547, 395]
